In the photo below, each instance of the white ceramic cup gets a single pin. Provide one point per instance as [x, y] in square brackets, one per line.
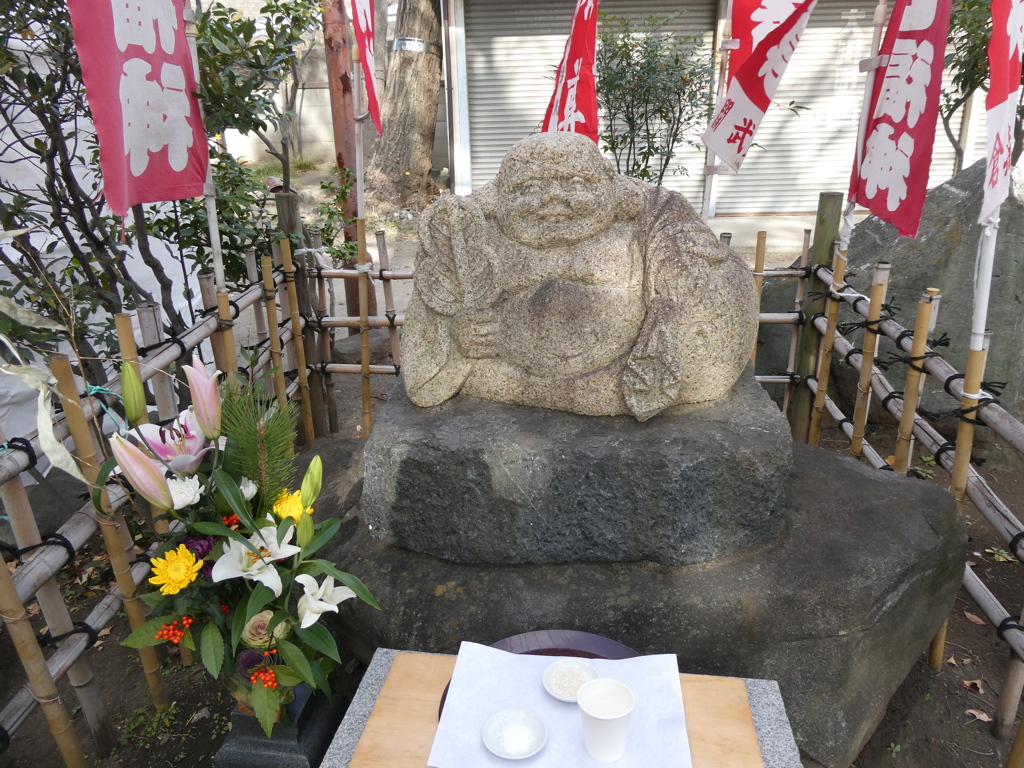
[605, 706]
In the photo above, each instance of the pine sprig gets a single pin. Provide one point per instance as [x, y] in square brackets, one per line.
[265, 440]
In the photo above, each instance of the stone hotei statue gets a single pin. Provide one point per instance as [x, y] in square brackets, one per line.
[563, 285]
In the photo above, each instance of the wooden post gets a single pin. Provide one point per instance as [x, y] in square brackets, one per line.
[762, 238]
[269, 294]
[208, 292]
[915, 381]
[313, 351]
[326, 341]
[226, 324]
[259, 313]
[300, 353]
[1016, 758]
[44, 689]
[725, 238]
[162, 382]
[824, 369]
[880, 282]
[798, 307]
[26, 533]
[288, 350]
[109, 522]
[826, 228]
[1006, 708]
[364, 327]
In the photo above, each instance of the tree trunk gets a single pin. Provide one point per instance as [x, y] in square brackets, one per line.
[399, 173]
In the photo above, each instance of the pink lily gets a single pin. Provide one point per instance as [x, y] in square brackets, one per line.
[181, 444]
[205, 397]
[145, 475]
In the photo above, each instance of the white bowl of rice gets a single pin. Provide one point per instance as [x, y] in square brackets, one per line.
[564, 678]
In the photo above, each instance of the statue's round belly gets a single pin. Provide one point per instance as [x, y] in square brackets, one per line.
[561, 328]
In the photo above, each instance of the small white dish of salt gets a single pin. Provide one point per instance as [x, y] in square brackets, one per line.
[514, 734]
[564, 678]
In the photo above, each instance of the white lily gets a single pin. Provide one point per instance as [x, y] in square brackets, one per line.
[240, 561]
[318, 598]
[248, 488]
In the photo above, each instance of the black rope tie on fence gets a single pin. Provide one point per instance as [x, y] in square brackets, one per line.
[1007, 624]
[183, 350]
[908, 360]
[847, 420]
[1015, 541]
[235, 310]
[398, 370]
[854, 351]
[869, 326]
[269, 294]
[894, 395]
[390, 315]
[950, 446]
[814, 317]
[906, 333]
[25, 446]
[5, 739]
[950, 380]
[80, 628]
[380, 275]
[54, 539]
[887, 467]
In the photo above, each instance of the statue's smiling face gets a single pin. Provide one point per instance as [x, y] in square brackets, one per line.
[556, 193]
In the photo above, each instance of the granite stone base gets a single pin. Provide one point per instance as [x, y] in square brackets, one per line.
[836, 606]
[473, 481]
[299, 741]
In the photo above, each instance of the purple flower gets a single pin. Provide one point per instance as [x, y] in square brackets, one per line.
[248, 660]
[200, 546]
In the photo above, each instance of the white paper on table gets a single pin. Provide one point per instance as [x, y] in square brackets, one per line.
[486, 681]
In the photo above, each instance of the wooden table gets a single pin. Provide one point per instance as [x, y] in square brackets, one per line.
[392, 725]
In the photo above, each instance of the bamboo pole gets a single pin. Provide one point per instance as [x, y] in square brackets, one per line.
[269, 294]
[798, 307]
[879, 285]
[389, 274]
[208, 293]
[300, 352]
[825, 356]
[725, 238]
[312, 347]
[26, 533]
[914, 382]
[44, 689]
[389, 299]
[826, 227]
[109, 523]
[388, 370]
[762, 238]
[870, 454]
[326, 339]
[287, 348]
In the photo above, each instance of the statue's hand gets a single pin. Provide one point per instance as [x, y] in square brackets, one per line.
[476, 333]
[653, 375]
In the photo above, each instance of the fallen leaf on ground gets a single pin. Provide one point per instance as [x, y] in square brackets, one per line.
[972, 564]
[979, 714]
[103, 632]
[974, 619]
[973, 685]
[33, 609]
[951, 661]
[202, 714]
[967, 661]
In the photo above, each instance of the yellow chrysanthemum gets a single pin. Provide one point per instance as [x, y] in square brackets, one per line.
[290, 505]
[175, 570]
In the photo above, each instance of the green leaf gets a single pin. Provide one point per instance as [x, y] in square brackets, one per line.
[260, 597]
[145, 636]
[283, 528]
[211, 645]
[322, 669]
[238, 622]
[322, 536]
[317, 636]
[267, 703]
[27, 317]
[352, 582]
[187, 640]
[286, 676]
[296, 660]
[228, 488]
[101, 481]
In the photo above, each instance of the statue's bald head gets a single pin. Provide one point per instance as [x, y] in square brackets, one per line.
[555, 189]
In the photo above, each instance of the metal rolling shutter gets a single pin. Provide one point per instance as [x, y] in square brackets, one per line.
[512, 49]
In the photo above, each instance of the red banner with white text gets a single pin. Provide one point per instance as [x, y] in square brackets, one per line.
[738, 115]
[140, 84]
[1005, 48]
[752, 20]
[573, 105]
[362, 22]
[892, 179]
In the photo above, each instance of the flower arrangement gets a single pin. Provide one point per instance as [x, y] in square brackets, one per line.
[236, 576]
